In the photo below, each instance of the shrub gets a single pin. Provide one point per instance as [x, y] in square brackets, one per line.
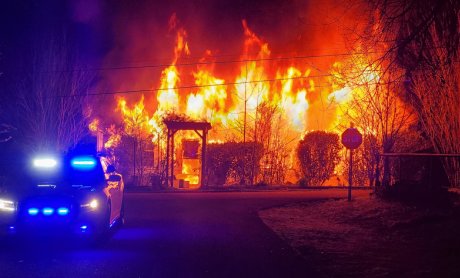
[236, 161]
[318, 154]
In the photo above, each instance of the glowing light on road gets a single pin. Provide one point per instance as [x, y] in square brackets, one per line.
[83, 228]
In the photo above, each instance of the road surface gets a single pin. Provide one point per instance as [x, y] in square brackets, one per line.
[176, 235]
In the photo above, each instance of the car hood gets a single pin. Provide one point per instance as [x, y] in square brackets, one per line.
[19, 192]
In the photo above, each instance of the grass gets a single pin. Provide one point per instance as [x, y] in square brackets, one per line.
[369, 237]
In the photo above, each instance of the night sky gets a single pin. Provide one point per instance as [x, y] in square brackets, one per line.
[98, 27]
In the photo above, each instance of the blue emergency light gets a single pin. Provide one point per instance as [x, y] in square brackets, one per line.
[47, 211]
[83, 163]
[63, 211]
[33, 211]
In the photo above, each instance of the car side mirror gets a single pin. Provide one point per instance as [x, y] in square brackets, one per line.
[110, 169]
[114, 178]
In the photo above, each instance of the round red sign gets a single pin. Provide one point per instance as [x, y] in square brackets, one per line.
[351, 138]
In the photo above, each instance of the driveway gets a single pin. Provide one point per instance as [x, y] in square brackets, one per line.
[177, 235]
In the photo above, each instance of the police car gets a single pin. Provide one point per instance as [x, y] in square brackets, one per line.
[75, 194]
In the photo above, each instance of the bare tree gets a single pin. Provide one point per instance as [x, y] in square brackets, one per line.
[136, 129]
[365, 161]
[264, 134]
[422, 41]
[274, 135]
[50, 110]
[376, 108]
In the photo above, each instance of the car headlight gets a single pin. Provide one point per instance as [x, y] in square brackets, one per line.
[91, 205]
[7, 205]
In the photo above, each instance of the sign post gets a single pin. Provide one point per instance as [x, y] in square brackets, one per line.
[351, 139]
[350, 175]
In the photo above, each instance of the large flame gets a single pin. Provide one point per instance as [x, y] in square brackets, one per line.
[168, 97]
[136, 118]
[229, 102]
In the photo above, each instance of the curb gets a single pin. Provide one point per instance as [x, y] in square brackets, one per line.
[228, 190]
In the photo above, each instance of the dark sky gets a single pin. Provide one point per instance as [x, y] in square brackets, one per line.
[100, 26]
[25, 24]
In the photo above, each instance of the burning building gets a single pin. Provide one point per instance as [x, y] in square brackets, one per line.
[259, 97]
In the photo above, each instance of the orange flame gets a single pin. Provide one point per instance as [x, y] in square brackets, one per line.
[94, 126]
[114, 138]
[135, 119]
[303, 100]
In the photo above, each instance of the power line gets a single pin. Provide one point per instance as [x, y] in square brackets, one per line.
[200, 63]
[231, 61]
[199, 86]
[273, 53]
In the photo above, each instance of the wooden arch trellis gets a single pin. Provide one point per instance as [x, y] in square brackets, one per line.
[173, 127]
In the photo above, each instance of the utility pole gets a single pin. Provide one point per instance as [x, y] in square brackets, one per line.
[253, 172]
[245, 103]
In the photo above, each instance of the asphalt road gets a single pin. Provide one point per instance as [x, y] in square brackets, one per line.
[175, 235]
